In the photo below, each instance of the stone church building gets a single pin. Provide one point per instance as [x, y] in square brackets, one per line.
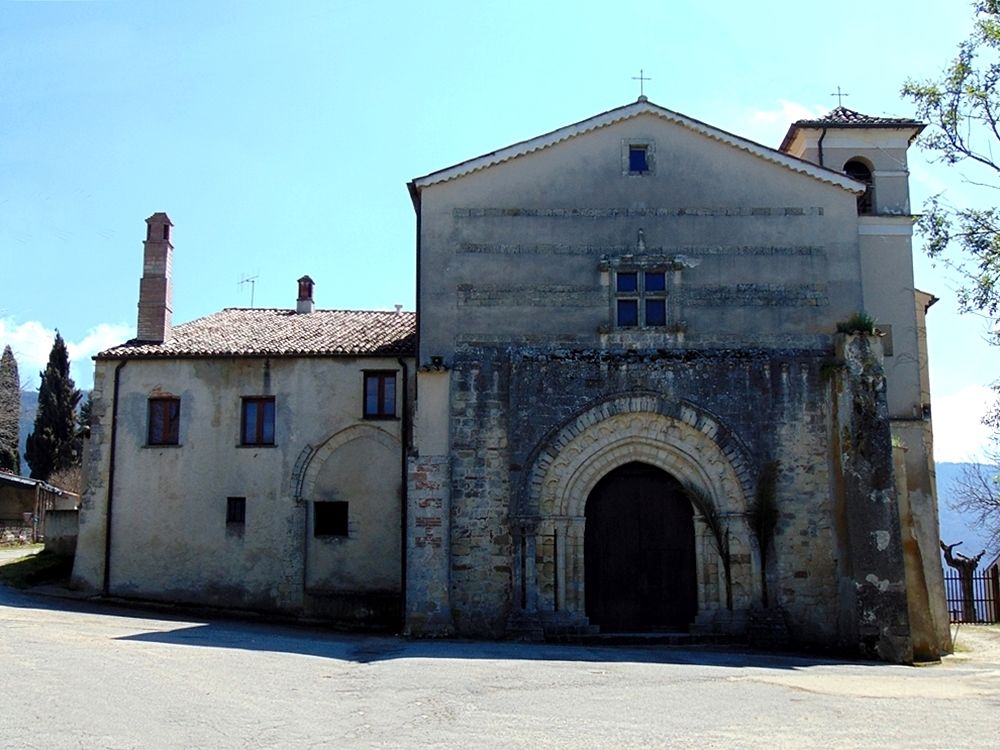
[639, 394]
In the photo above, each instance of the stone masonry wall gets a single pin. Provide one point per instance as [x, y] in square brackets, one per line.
[507, 403]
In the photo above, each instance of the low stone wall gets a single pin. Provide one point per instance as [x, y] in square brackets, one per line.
[61, 528]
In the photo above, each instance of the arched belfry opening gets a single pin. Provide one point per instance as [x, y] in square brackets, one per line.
[639, 552]
[858, 170]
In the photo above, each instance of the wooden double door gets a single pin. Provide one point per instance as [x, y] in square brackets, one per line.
[639, 554]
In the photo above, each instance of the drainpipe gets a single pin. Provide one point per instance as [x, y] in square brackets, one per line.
[111, 480]
[404, 429]
[821, 137]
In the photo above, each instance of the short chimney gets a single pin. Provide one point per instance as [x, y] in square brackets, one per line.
[155, 305]
[305, 302]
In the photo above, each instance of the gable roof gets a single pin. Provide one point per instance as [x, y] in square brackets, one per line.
[642, 106]
[842, 117]
[262, 332]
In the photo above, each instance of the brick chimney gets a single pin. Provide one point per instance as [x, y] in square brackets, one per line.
[155, 306]
[305, 302]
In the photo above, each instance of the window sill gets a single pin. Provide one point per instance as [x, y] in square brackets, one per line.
[256, 445]
[379, 418]
[157, 446]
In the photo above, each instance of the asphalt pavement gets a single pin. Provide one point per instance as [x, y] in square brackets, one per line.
[82, 674]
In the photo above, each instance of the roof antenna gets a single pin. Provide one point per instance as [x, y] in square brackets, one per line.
[840, 97]
[252, 281]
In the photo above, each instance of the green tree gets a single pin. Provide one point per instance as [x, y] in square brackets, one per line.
[54, 445]
[963, 109]
[10, 410]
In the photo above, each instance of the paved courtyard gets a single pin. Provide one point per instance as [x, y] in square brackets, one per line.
[75, 674]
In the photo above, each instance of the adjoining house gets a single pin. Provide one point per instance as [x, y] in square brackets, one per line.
[632, 408]
[25, 504]
[251, 458]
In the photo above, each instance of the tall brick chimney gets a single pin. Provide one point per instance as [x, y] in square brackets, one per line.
[155, 306]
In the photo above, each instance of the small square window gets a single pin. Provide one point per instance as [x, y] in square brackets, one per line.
[164, 421]
[640, 298]
[628, 282]
[329, 518]
[637, 161]
[257, 427]
[628, 313]
[236, 511]
[380, 395]
[655, 281]
[656, 312]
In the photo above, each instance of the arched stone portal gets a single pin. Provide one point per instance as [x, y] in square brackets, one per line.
[639, 552]
[678, 438]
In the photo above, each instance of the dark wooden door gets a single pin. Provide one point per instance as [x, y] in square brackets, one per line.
[639, 562]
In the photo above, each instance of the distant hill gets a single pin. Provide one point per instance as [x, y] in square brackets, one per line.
[956, 527]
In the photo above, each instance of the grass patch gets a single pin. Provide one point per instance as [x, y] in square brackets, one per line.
[860, 322]
[44, 567]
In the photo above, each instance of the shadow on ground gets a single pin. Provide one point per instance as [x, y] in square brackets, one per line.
[311, 640]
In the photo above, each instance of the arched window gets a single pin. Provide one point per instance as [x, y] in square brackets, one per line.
[859, 171]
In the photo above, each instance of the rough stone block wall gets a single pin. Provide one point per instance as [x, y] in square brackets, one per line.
[507, 403]
[428, 610]
[482, 543]
[874, 605]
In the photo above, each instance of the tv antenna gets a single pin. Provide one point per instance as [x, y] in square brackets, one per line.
[252, 281]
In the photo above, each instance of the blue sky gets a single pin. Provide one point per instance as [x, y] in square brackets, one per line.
[280, 137]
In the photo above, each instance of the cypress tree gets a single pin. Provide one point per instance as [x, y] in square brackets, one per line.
[10, 410]
[53, 445]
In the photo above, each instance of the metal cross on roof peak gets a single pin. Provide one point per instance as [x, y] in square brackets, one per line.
[641, 79]
[840, 97]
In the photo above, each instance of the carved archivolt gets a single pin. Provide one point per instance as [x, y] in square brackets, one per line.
[677, 437]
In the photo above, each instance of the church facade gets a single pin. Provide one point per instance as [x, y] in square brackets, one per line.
[634, 410]
[661, 378]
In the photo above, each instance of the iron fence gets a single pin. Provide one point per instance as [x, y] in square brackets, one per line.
[975, 600]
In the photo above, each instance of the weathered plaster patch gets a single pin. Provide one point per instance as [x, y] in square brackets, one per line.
[882, 539]
[882, 584]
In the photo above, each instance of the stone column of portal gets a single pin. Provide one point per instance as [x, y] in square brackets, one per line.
[428, 533]
[873, 592]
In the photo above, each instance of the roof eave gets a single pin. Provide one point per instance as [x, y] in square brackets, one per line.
[916, 127]
[626, 112]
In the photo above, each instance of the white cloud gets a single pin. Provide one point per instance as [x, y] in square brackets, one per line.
[959, 435]
[31, 343]
[787, 113]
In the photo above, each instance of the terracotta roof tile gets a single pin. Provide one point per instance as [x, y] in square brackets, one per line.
[269, 332]
[842, 116]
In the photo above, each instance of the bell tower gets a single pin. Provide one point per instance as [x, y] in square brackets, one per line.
[873, 151]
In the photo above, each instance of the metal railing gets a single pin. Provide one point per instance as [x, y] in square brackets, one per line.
[977, 600]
